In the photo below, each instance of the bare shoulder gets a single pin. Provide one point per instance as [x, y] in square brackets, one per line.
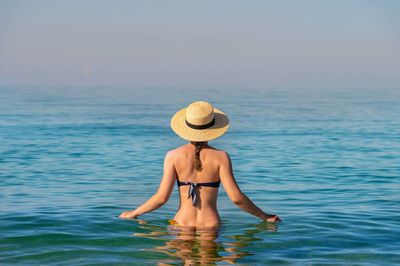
[221, 155]
[225, 165]
[173, 154]
[218, 152]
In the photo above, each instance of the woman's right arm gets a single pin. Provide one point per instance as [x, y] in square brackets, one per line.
[236, 195]
[163, 193]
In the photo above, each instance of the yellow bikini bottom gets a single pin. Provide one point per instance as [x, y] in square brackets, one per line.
[175, 223]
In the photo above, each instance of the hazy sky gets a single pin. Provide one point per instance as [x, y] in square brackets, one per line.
[200, 43]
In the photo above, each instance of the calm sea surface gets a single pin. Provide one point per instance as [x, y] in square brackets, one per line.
[326, 161]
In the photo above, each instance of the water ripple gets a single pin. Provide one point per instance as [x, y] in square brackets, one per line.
[326, 161]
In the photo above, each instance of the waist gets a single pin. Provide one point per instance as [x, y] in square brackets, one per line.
[175, 223]
[206, 217]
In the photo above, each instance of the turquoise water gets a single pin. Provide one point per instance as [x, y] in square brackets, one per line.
[326, 161]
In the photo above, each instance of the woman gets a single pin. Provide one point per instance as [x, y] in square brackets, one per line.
[198, 169]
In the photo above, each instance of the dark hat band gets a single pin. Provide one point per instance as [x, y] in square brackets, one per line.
[200, 126]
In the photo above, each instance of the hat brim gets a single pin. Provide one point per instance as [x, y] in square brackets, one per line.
[178, 125]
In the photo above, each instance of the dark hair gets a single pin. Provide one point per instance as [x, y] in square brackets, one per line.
[196, 162]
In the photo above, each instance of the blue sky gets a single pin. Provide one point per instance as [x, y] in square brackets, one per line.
[200, 43]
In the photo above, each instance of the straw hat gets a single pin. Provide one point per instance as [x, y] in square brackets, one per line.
[200, 121]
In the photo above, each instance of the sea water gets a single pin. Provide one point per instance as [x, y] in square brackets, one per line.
[327, 161]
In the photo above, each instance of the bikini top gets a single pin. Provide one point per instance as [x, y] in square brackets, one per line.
[192, 189]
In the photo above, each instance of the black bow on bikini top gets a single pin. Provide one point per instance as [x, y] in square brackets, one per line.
[192, 189]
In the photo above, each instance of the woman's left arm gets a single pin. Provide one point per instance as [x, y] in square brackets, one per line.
[163, 193]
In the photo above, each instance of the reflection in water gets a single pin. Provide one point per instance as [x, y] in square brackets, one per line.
[200, 245]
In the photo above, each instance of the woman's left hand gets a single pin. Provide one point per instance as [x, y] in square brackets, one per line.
[126, 215]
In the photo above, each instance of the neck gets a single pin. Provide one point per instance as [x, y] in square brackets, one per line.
[199, 142]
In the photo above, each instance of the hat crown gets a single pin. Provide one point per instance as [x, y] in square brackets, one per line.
[199, 113]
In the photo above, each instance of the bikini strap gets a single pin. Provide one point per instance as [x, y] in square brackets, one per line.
[192, 189]
[210, 184]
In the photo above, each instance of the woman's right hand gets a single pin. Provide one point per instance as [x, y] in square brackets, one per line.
[271, 218]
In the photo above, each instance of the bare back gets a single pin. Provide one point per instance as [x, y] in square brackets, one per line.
[202, 209]
[205, 212]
